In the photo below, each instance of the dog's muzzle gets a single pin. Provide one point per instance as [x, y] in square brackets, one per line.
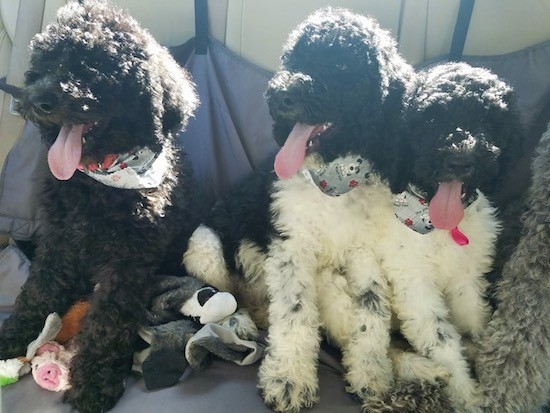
[288, 94]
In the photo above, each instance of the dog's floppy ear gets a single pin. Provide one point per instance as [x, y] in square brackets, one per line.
[511, 136]
[509, 130]
[397, 163]
[179, 98]
[167, 90]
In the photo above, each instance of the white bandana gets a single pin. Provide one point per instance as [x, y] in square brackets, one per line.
[412, 210]
[137, 169]
[339, 176]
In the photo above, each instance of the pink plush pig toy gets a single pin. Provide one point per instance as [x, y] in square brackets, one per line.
[50, 366]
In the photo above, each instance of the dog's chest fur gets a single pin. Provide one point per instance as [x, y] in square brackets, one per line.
[92, 220]
[330, 229]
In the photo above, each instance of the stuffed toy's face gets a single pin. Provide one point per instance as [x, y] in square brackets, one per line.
[50, 366]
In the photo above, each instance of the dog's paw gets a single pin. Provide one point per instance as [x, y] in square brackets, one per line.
[93, 400]
[465, 395]
[287, 389]
[95, 387]
[241, 324]
[364, 394]
[12, 345]
[411, 397]
[414, 367]
[369, 377]
[368, 386]
[286, 395]
[204, 258]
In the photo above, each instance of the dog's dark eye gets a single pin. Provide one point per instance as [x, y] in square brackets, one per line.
[31, 76]
[341, 67]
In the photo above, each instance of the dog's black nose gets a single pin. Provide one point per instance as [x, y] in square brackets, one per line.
[459, 164]
[288, 91]
[43, 103]
[288, 102]
[285, 101]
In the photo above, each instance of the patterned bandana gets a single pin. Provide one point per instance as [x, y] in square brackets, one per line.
[412, 210]
[137, 169]
[339, 176]
[346, 173]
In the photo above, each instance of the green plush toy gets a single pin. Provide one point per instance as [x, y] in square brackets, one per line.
[11, 370]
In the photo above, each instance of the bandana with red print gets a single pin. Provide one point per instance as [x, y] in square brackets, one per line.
[137, 169]
[339, 176]
[346, 173]
[412, 210]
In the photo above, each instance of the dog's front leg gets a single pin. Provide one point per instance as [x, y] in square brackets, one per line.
[106, 340]
[355, 309]
[51, 287]
[288, 374]
[466, 298]
[425, 322]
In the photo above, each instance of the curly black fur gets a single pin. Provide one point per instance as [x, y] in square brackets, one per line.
[342, 68]
[95, 65]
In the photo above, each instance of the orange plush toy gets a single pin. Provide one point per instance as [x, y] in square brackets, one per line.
[70, 322]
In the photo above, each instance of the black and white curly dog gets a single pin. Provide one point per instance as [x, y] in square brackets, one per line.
[108, 101]
[355, 121]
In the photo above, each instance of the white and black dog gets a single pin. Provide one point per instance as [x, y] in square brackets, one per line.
[357, 122]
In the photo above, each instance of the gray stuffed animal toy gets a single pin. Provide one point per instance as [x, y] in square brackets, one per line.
[188, 323]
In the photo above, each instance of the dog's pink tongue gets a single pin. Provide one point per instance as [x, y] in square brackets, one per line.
[64, 155]
[446, 210]
[292, 154]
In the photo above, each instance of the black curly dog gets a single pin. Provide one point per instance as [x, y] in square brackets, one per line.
[105, 96]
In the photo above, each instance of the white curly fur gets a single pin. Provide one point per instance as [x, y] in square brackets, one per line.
[342, 264]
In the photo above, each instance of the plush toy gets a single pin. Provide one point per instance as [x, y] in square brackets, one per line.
[188, 296]
[50, 366]
[180, 307]
[11, 370]
[188, 322]
[48, 356]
